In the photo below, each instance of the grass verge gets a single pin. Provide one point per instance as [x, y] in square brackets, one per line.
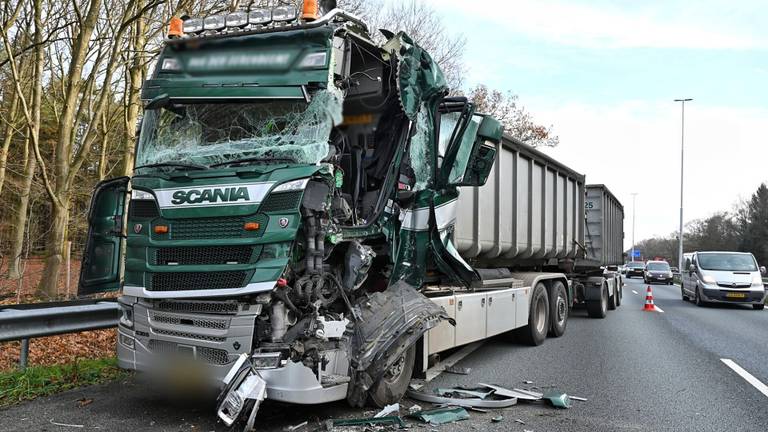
[46, 380]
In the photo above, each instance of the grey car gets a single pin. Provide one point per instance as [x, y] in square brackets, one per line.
[657, 271]
[723, 277]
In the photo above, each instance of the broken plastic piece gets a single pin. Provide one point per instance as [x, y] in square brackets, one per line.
[391, 420]
[244, 392]
[469, 403]
[387, 410]
[497, 419]
[558, 400]
[414, 409]
[581, 399]
[442, 415]
[463, 393]
[515, 393]
[296, 427]
[458, 370]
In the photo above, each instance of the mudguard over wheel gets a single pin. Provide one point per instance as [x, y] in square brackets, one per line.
[538, 317]
[558, 311]
[598, 308]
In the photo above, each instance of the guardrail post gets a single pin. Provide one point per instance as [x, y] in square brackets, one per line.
[24, 354]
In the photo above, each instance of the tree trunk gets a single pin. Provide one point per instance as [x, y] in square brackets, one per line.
[20, 222]
[134, 77]
[55, 247]
[10, 130]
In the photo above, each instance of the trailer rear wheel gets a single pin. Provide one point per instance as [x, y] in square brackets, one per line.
[613, 302]
[598, 308]
[559, 309]
[391, 387]
[538, 317]
[619, 293]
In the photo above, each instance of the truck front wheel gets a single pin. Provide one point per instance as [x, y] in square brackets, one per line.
[391, 387]
[598, 308]
[538, 317]
[559, 309]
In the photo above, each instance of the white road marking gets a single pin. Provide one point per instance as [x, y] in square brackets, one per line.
[635, 292]
[658, 309]
[748, 377]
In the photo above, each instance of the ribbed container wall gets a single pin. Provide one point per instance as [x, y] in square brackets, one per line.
[531, 208]
[605, 226]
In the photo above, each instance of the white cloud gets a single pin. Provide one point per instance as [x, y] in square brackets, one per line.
[635, 147]
[706, 25]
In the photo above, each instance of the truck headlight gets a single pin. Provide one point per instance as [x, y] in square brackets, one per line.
[126, 315]
[292, 185]
[708, 280]
[236, 19]
[141, 195]
[260, 16]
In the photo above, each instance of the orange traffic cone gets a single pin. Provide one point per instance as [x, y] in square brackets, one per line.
[649, 306]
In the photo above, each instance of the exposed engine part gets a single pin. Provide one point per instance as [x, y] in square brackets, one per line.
[282, 319]
[340, 209]
[309, 289]
[358, 261]
[315, 196]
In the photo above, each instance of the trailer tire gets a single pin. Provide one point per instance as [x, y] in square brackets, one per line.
[558, 312]
[613, 302]
[391, 387]
[538, 317]
[599, 308]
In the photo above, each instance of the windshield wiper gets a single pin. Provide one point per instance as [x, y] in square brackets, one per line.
[253, 159]
[173, 164]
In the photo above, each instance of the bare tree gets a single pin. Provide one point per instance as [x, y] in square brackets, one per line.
[516, 120]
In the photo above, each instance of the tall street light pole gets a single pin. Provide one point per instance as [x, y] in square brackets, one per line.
[634, 195]
[682, 153]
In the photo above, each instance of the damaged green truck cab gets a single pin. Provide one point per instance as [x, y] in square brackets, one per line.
[292, 190]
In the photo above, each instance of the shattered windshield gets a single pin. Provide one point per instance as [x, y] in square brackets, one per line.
[214, 133]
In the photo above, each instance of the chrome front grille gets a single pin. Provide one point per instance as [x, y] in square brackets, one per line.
[187, 335]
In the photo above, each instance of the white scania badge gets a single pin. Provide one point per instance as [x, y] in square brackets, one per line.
[213, 195]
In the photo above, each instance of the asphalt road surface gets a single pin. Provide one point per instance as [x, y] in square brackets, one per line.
[640, 371]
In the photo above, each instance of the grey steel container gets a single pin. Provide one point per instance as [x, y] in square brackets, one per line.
[604, 234]
[531, 209]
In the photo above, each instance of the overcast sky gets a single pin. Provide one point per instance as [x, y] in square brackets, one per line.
[604, 74]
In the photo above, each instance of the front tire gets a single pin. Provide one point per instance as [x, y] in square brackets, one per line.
[391, 387]
[599, 308]
[558, 311]
[682, 292]
[538, 317]
[697, 298]
[620, 292]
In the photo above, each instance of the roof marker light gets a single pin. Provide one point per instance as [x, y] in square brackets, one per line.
[237, 19]
[176, 27]
[284, 13]
[215, 22]
[310, 10]
[193, 25]
[260, 16]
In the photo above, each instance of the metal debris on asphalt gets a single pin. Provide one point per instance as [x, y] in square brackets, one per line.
[388, 410]
[458, 370]
[581, 399]
[497, 419]
[460, 392]
[296, 427]
[414, 409]
[519, 421]
[442, 415]
[488, 402]
[514, 393]
[372, 421]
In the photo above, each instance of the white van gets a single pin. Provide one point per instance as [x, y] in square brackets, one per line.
[723, 277]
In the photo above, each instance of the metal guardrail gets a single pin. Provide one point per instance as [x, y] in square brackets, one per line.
[26, 321]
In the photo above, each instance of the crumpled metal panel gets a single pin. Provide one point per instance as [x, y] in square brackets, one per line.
[418, 77]
[389, 323]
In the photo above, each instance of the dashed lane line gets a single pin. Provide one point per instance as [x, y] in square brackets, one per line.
[635, 292]
[748, 377]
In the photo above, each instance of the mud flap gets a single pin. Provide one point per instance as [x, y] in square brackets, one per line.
[389, 323]
[243, 392]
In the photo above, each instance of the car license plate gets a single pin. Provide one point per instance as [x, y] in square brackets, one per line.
[735, 295]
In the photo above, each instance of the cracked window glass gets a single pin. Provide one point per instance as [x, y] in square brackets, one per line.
[419, 151]
[215, 133]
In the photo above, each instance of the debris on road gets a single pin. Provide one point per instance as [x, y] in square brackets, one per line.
[459, 392]
[84, 401]
[519, 421]
[527, 382]
[489, 401]
[581, 399]
[67, 425]
[414, 409]
[497, 419]
[388, 410]
[296, 427]
[442, 415]
[371, 421]
[558, 400]
[514, 393]
[458, 370]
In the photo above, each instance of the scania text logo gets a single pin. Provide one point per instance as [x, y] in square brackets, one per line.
[213, 195]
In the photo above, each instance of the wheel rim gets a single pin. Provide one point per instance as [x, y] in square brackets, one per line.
[541, 315]
[561, 310]
[394, 371]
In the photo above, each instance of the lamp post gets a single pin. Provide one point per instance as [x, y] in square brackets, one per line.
[634, 195]
[682, 153]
